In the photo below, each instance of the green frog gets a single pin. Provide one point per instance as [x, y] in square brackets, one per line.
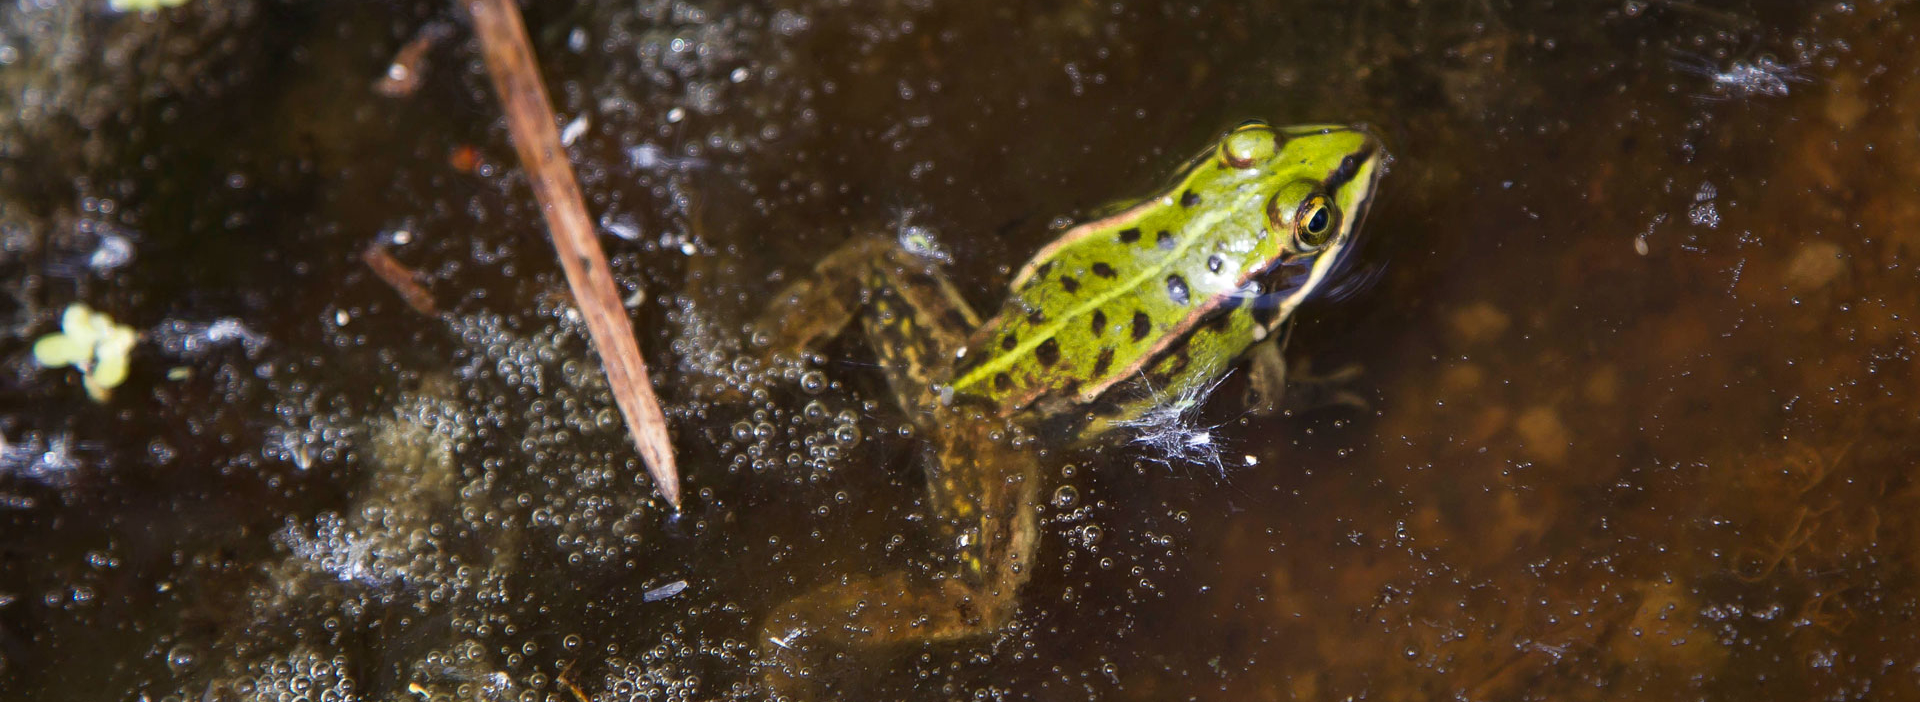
[1112, 320]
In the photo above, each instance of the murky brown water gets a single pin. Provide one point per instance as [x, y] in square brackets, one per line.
[1638, 361]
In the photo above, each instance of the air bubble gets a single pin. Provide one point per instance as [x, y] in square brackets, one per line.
[180, 658]
[846, 435]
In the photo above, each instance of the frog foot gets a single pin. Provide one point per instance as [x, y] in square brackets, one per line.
[1272, 385]
[813, 644]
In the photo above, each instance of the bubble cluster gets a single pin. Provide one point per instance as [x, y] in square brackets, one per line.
[465, 671]
[302, 674]
[390, 537]
[766, 436]
[548, 409]
[655, 677]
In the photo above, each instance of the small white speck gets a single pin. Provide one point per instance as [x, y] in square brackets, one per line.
[115, 251]
[574, 130]
[401, 237]
[623, 228]
[340, 318]
[675, 115]
[664, 591]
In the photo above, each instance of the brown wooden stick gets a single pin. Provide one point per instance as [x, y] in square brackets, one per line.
[509, 57]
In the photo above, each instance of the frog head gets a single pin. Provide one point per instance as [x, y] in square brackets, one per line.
[1314, 183]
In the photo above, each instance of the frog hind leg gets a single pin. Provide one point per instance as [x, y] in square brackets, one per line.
[984, 494]
[910, 314]
[982, 485]
[916, 323]
[818, 306]
[815, 643]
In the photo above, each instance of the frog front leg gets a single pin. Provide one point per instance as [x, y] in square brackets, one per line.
[1269, 376]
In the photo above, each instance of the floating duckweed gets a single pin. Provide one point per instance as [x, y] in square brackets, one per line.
[91, 342]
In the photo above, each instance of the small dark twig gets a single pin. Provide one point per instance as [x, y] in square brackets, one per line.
[399, 277]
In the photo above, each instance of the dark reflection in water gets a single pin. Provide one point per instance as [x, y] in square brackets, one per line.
[1637, 363]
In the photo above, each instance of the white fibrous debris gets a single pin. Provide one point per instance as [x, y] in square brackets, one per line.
[1765, 77]
[1762, 77]
[48, 461]
[1173, 435]
[648, 157]
[191, 340]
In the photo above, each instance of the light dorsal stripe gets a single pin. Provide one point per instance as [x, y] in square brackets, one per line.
[1004, 361]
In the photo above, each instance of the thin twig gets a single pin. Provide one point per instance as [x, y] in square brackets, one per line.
[530, 119]
[398, 276]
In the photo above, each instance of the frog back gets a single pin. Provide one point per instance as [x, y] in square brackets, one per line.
[1113, 295]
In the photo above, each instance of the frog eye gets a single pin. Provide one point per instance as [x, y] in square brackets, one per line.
[1314, 224]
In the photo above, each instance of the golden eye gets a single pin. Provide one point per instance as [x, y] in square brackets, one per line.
[1315, 223]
